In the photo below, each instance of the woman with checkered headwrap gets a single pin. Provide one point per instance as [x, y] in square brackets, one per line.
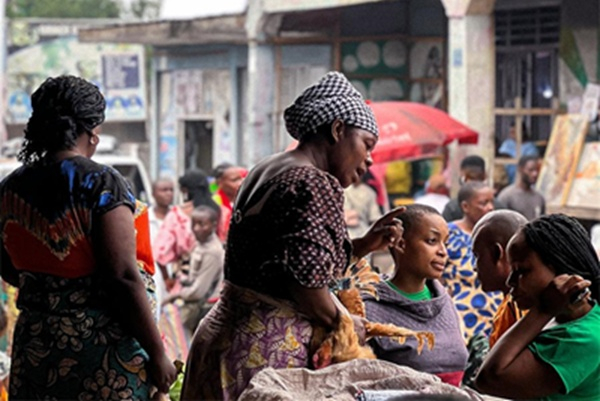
[287, 241]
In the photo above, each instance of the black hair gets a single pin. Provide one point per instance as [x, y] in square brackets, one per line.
[195, 182]
[413, 213]
[64, 108]
[212, 214]
[469, 189]
[526, 159]
[472, 161]
[220, 169]
[562, 243]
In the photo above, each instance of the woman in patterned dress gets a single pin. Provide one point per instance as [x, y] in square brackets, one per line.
[475, 306]
[287, 241]
[85, 330]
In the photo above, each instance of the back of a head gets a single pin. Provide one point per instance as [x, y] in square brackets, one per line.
[195, 181]
[63, 108]
[501, 225]
[563, 243]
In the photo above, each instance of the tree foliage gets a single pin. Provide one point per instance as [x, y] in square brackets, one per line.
[63, 8]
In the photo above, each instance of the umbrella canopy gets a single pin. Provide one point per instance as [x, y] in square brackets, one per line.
[410, 130]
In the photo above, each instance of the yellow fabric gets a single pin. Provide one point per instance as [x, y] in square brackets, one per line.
[508, 313]
[398, 177]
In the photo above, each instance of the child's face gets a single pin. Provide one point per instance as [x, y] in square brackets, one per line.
[529, 276]
[202, 226]
[425, 252]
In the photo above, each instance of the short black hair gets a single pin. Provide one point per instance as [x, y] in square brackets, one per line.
[526, 159]
[562, 243]
[63, 108]
[219, 170]
[212, 213]
[413, 213]
[472, 161]
[469, 189]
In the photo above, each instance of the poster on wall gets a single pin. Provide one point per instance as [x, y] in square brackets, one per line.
[560, 160]
[377, 68]
[585, 190]
[38, 50]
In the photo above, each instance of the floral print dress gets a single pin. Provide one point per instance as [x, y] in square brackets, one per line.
[67, 343]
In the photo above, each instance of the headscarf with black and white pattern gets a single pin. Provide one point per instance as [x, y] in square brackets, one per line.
[331, 98]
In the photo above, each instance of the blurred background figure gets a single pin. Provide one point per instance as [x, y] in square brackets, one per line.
[521, 196]
[508, 148]
[163, 192]
[205, 272]
[360, 208]
[472, 168]
[228, 179]
[436, 193]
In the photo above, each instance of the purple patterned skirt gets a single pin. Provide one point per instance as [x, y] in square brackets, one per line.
[244, 333]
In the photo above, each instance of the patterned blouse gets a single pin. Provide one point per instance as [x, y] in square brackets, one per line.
[298, 234]
[47, 213]
[475, 306]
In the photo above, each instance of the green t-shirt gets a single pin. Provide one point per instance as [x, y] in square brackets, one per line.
[423, 295]
[573, 350]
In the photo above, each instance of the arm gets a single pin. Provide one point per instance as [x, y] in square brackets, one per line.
[386, 232]
[208, 272]
[511, 369]
[316, 303]
[114, 240]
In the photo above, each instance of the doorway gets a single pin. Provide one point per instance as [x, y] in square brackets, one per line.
[198, 145]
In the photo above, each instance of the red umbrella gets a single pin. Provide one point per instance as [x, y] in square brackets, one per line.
[410, 130]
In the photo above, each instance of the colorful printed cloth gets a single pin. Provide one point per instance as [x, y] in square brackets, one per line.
[244, 333]
[67, 343]
[475, 306]
[67, 346]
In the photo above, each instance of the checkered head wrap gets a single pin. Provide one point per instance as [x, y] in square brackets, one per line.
[332, 97]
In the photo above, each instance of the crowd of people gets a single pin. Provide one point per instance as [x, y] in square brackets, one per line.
[510, 295]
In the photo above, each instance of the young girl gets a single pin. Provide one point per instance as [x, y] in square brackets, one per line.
[553, 352]
[413, 298]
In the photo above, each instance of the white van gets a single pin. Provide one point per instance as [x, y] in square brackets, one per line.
[130, 167]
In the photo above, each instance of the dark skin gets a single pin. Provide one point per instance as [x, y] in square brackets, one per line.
[113, 239]
[511, 370]
[346, 154]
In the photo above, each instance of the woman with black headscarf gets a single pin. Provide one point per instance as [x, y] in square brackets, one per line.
[85, 330]
[287, 241]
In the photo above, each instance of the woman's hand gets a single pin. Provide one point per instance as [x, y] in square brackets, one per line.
[563, 293]
[163, 373]
[384, 233]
